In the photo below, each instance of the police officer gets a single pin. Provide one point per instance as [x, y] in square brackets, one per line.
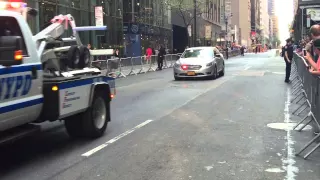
[288, 56]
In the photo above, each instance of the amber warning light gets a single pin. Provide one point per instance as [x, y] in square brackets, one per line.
[18, 55]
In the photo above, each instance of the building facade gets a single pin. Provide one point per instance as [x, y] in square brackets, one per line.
[271, 13]
[241, 20]
[275, 26]
[83, 12]
[147, 23]
[303, 20]
[264, 22]
[208, 25]
[255, 21]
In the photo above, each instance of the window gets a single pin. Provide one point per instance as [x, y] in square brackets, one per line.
[10, 27]
[47, 12]
[196, 53]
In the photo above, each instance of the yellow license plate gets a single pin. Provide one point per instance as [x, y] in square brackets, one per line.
[191, 73]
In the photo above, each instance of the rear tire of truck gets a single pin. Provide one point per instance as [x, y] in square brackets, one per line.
[93, 122]
[84, 57]
[73, 57]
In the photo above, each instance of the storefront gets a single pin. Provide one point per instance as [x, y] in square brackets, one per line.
[146, 23]
[83, 12]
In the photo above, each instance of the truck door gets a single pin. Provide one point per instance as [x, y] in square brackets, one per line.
[21, 96]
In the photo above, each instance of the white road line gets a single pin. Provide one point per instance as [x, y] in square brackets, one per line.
[289, 162]
[246, 68]
[96, 149]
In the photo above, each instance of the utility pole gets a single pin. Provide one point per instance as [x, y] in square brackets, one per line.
[195, 23]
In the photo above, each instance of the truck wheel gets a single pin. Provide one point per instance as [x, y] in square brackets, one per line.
[93, 122]
[73, 57]
[96, 118]
[84, 57]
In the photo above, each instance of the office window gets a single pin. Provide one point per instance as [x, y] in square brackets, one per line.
[47, 12]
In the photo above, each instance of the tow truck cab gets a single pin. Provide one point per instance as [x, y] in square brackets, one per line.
[20, 73]
[27, 95]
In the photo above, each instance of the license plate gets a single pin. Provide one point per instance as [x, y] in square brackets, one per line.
[191, 73]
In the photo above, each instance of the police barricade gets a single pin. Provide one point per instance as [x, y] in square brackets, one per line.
[153, 63]
[126, 67]
[137, 66]
[306, 91]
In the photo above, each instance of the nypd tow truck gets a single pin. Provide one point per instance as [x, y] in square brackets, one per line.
[43, 80]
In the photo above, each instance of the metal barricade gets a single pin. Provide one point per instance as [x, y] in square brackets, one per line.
[123, 67]
[306, 90]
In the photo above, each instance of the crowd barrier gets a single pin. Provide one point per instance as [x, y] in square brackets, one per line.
[306, 94]
[123, 67]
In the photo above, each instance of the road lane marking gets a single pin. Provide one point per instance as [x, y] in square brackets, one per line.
[98, 148]
[246, 68]
[289, 162]
[218, 83]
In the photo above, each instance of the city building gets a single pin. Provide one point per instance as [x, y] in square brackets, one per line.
[83, 11]
[255, 21]
[208, 23]
[241, 20]
[271, 13]
[275, 26]
[303, 19]
[264, 22]
[226, 18]
[146, 23]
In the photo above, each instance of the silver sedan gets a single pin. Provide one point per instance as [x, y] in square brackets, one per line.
[199, 62]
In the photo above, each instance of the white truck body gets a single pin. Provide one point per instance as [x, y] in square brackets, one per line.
[27, 96]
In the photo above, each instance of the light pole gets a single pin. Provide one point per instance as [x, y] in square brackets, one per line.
[226, 19]
[195, 22]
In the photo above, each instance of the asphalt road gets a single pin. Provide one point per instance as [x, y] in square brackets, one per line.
[170, 130]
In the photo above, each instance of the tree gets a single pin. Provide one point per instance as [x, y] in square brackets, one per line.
[185, 9]
[276, 41]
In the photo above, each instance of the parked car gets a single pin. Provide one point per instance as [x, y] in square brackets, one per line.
[199, 62]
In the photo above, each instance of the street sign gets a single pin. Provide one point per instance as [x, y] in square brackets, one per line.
[98, 12]
[208, 32]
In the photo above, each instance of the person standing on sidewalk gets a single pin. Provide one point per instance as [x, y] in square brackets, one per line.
[227, 52]
[148, 55]
[161, 54]
[288, 55]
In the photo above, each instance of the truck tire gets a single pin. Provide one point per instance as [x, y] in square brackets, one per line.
[93, 122]
[84, 57]
[73, 57]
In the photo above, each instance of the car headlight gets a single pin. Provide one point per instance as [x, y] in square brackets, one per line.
[177, 64]
[209, 64]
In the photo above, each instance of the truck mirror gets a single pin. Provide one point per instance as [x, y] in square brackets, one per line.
[11, 50]
[33, 12]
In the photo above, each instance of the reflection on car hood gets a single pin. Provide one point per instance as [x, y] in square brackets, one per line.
[194, 61]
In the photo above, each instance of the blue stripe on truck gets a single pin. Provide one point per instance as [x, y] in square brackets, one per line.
[19, 68]
[20, 105]
[76, 83]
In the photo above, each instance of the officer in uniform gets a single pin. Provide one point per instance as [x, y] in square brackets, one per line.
[288, 56]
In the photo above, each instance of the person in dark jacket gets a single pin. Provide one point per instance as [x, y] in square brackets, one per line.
[161, 54]
[288, 55]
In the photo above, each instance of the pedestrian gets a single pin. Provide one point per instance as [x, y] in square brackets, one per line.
[315, 34]
[288, 55]
[148, 55]
[227, 52]
[242, 51]
[161, 54]
[314, 64]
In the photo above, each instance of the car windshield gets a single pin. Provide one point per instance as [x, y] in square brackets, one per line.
[195, 53]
